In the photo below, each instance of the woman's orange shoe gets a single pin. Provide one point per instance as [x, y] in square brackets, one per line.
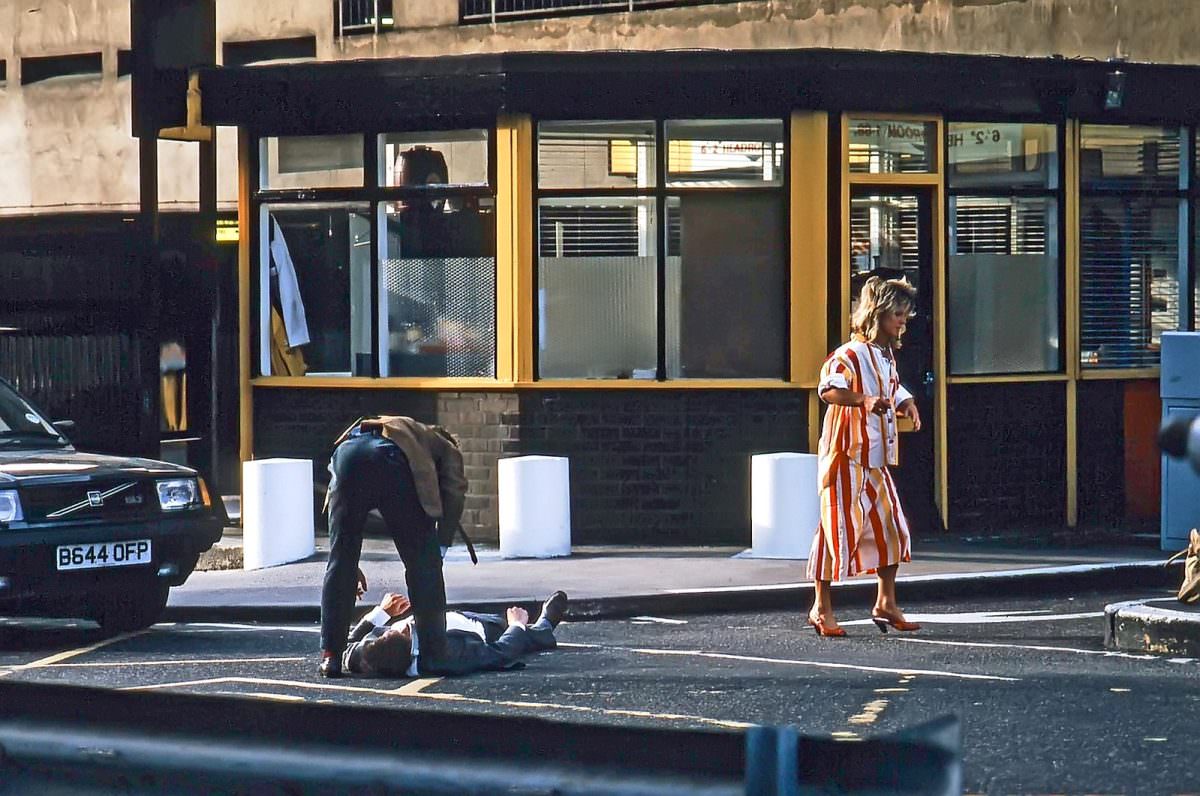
[822, 629]
[882, 622]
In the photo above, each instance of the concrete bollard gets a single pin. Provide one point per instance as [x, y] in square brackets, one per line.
[535, 507]
[784, 504]
[277, 512]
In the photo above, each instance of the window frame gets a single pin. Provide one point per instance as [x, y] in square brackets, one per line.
[1058, 195]
[374, 196]
[660, 192]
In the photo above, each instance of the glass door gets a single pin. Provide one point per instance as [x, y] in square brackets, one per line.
[891, 236]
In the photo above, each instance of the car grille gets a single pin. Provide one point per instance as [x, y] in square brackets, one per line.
[118, 498]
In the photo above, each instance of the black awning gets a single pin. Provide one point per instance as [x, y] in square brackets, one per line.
[470, 90]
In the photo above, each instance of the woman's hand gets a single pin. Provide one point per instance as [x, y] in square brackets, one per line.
[909, 409]
[876, 404]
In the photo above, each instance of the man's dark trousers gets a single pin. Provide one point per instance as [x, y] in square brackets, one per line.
[372, 472]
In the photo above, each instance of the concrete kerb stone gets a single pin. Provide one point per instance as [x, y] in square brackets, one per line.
[794, 596]
[1166, 629]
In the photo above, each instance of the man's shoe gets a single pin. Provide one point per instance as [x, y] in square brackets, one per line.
[555, 608]
[331, 665]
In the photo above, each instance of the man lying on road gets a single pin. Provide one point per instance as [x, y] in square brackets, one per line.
[385, 643]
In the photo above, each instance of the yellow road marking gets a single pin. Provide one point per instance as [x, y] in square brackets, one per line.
[417, 686]
[68, 654]
[186, 662]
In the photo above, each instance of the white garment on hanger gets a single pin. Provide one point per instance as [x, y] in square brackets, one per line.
[294, 322]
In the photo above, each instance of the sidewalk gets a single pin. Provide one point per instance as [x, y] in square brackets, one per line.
[626, 581]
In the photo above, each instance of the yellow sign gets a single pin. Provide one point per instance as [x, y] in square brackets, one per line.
[227, 230]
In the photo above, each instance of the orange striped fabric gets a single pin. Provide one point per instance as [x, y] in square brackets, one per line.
[863, 526]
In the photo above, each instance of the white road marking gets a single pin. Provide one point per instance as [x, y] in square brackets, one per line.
[1030, 647]
[211, 627]
[418, 694]
[986, 617]
[794, 662]
[658, 620]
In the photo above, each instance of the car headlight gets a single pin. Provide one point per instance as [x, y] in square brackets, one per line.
[10, 506]
[177, 493]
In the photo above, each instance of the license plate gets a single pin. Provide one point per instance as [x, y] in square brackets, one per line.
[104, 554]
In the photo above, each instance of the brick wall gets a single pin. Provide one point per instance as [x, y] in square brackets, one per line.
[653, 467]
[1007, 455]
[303, 423]
[661, 467]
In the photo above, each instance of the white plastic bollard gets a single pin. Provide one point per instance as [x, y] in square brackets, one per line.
[277, 512]
[784, 504]
[535, 507]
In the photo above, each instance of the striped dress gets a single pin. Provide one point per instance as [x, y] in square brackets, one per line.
[863, 527]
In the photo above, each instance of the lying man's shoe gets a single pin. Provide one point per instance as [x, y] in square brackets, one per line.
[555, 608]
[331, 665]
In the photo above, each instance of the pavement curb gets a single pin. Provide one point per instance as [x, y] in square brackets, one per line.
[1026, 582]
[1141, 627]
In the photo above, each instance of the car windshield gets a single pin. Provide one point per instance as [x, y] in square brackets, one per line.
[20, 423]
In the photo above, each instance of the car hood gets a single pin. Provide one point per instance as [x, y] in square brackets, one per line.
[67, 464]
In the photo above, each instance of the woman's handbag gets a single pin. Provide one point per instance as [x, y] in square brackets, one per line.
[1189, 591]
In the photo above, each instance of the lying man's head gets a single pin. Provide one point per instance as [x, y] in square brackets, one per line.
[389, 655]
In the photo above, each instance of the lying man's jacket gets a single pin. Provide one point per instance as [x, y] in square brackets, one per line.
[501, 647]
[437, 469]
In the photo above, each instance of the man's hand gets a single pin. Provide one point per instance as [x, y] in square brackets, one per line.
[518, 616]
[361, 587]
[395, 604]
[909, 409]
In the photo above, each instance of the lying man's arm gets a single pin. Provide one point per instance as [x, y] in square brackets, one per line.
[390, 607]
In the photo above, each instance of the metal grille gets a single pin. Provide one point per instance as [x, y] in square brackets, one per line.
[456, 299]
[476, 11]
[1129, 279]
[1114, 157]
[588, 231]
[999, 226]
[70, 503]
[362, 16]
[89, 378]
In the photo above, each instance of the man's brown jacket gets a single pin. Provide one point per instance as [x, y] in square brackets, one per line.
[436, 464]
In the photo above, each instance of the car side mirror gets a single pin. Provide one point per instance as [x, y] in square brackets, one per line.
[64, 427]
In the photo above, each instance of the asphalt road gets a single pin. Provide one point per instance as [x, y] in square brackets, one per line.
[1045, 707]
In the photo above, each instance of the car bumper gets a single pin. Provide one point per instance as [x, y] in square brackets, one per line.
[30, 579]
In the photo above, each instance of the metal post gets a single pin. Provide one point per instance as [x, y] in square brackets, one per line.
[377, 20]
[772, 761]
[493, 12]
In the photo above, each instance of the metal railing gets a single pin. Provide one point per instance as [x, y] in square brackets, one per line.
[362, 16]
[471, 12]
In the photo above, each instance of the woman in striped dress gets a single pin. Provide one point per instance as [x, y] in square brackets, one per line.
[863, 529]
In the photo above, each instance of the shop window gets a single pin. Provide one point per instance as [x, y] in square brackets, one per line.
[311, 161]
[718, 153]
[892, 146]
[414, 160]
[1129, 266]
[1124, 158]
[1004, 285]
[437, 287]
[315, 289]
[726, 286]
[597, 288]
[609, 235]
[1132, 244]
[1001, 155]
[596, 155]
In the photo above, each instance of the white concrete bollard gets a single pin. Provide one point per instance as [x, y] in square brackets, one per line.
[277, 512]
[535, 507]
[784, 504]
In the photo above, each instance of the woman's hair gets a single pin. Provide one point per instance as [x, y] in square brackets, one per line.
[879, 297]
[389, 655]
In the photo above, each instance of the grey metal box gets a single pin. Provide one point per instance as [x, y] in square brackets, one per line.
[1180, 376]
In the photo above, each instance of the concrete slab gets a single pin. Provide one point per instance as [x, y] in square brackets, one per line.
[1160, 625]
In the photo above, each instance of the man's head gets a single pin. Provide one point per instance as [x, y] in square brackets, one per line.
[389, 655]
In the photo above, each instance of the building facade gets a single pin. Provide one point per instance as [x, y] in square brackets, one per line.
[628, 232]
